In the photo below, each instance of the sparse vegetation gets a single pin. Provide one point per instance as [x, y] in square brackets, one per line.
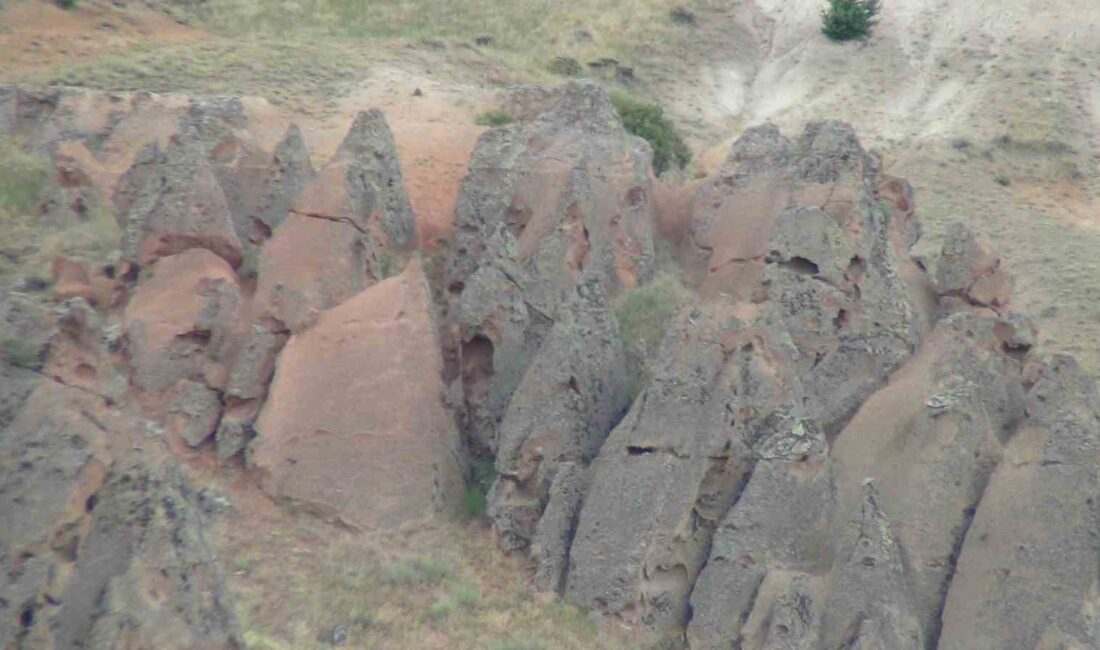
[648, 121]
[67, 4]
[416, 571]
[461, 596]
[644, 312]
[474, 499]
[1002, 179]
[494, 117]
[526, 34]
[449, 588]
[22, 353]
[845, 20]
[22, 175]
[565, 66]
[28, 241]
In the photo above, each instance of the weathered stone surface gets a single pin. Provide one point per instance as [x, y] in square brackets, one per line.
[176, 204]
[554, 533]
[71, 280]
[1027, 574]
[545, 202]
[148, 530]
[194, 413]
[254, 362]
[670, 470]
[180, 318]
[52, 461]
[308, 266]
[870, 595]
[774, 540]
[931, 439]
[361, 185]
[354, 426]
[266, 204]
[231, 438]
[807, 313]
[967, 268]
[561, 412]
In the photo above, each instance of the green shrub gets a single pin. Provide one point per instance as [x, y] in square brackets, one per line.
[494, 117]
[474, 500]
[442, 608]
[22, 353]
[460, 597]
[644, 312]
[22, 175]
[416, 571]
[648, 121]
[1003, 180]
[565, 66]
[844, 20]
[66, 4]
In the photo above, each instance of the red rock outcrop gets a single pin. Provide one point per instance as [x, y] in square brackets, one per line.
[354, 427]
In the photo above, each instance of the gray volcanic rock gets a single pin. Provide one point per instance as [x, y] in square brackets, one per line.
[776, 539]
[361, 185]
[175, 204]
[561, 412]
[52, 460]
[870, 595]
[809, 319]
[968, 269]
[952, 404]
[147, 527]
[1027, 574]
[545, 202]
[266, 204]
[672, 468]
[554, 533]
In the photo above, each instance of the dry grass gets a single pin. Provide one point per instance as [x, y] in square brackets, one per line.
[302, 76]
[527, 33]
[435, 585]
[29, 242]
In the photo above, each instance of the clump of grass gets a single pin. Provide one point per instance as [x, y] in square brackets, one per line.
[494, 117]
[22, 177]
[1002, 179]
[648, 121]
[644, 312]
[565, 66]
[474, 500]
[23, 353]
[462, 596]
[416, 571]
[67, 4]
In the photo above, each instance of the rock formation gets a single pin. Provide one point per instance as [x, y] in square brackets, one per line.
[566, 195]
[364, 462]
[833, 445]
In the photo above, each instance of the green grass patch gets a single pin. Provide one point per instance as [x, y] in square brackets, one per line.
[648, 121]
[22, 177]
[644, 312]
[495, 117]
[22, 353]
[416, 571]
[527, 34]
[475, 498]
